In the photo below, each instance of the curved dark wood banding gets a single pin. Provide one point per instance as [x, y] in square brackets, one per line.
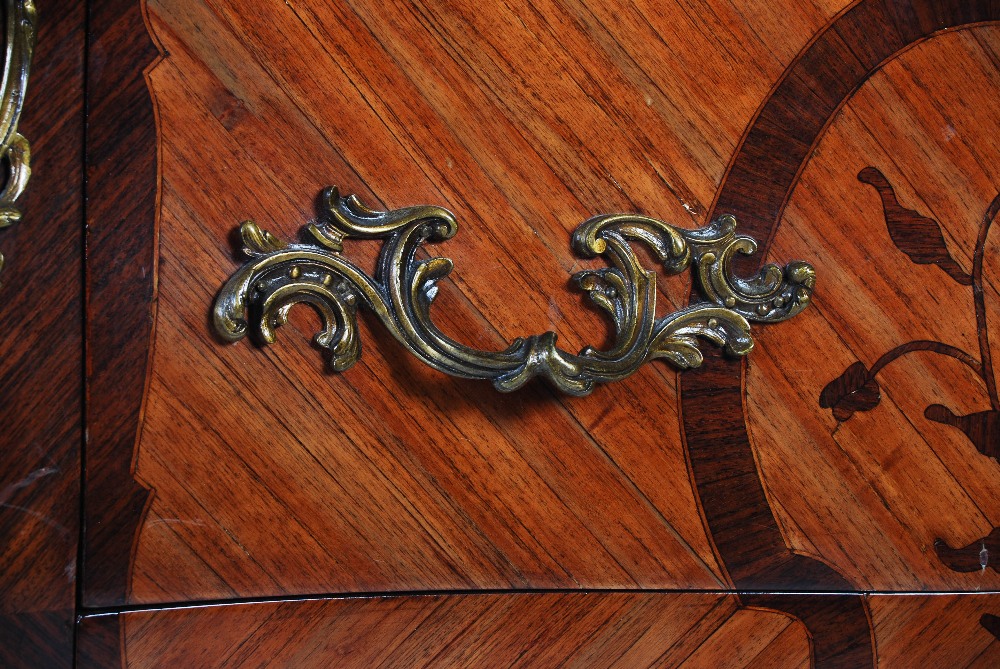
[122, 192]
[991, 624]
[756, 188]
[839, 627]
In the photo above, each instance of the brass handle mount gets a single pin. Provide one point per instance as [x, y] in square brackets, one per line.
[279, 275]
[19, 46]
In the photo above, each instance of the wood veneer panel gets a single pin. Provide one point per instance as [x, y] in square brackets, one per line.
[99, 642]
[122, 191]
[41, 371]
[889, 479]
[411, 481]
[762, 175]
[435, 522]
[538, 630]
[936, 630]
[419, 481]
[766, 169]
[764, 172]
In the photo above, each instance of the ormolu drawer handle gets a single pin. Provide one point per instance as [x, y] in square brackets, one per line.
[279, 275]
[20, 45]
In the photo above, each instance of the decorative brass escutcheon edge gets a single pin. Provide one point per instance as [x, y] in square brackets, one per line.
[279, 275]
[20, 47]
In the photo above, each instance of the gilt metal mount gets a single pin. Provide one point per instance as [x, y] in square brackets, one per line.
[279, 275]
[19, 46]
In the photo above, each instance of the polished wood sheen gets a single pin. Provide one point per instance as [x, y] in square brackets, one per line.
[630, 630]
[122, 186]
[853, 451]
[41, 366]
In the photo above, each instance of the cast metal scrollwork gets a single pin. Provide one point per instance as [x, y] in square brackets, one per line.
[279, 275]
[14, 149]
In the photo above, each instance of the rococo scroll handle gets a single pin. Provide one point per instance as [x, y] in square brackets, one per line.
[279, 275]
[19, 46]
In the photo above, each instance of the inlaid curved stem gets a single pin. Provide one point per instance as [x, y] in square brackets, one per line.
[401, 292]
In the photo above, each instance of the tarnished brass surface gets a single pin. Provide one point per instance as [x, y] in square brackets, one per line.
[279, 275]
[20, 45]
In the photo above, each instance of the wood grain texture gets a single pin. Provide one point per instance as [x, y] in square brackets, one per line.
[940, 630]
[889, 476]
[122, 190]
[394, 491]
[99, 642]
[541, 630]
[851, 442]
[41, 370]
[977, 555]
[423, 482]
[784, 140]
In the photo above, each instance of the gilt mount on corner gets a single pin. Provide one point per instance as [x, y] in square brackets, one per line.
[279, 275]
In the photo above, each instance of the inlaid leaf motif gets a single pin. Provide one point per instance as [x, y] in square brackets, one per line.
[991, 624]
[917, 236]
[982, 428]
[854, 390]
[977, 556]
